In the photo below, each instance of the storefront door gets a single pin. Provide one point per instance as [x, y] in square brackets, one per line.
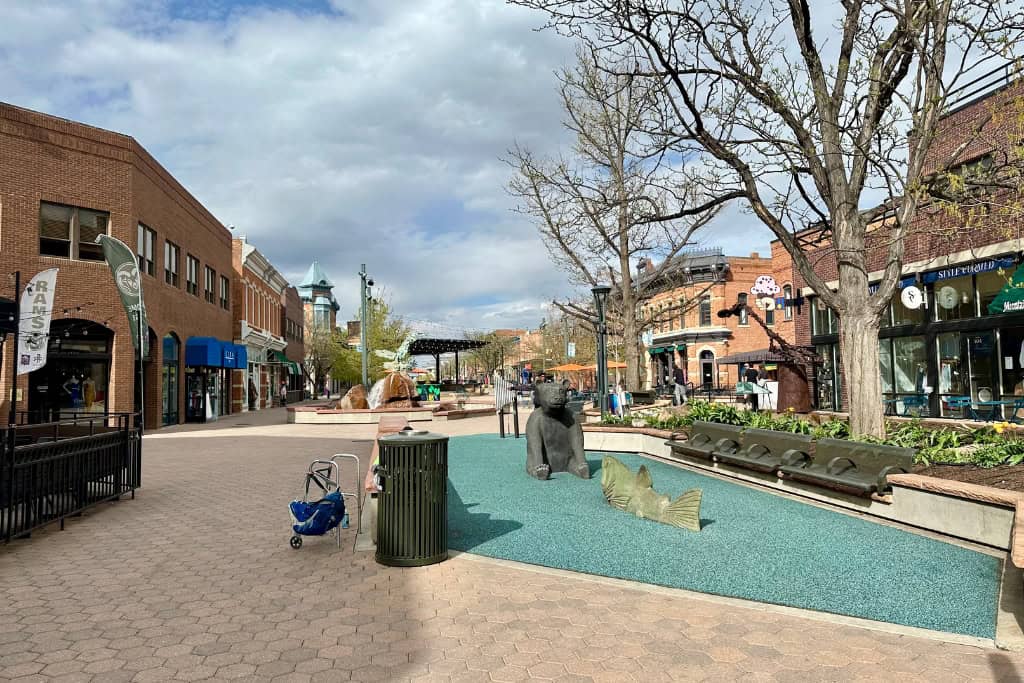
[707, 369]
[170, 379]
[75, 377]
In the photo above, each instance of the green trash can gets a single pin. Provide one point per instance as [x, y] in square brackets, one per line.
[412, 506]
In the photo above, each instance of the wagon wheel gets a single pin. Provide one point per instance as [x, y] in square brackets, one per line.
[296, 542]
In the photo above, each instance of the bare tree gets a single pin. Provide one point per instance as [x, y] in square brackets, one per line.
[604, 207]
[805, 129]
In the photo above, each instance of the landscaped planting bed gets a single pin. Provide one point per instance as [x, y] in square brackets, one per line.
[991, 455]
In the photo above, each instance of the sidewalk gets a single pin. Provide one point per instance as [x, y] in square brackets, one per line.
[194, 579]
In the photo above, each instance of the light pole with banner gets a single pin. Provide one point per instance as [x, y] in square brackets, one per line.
[601, 293]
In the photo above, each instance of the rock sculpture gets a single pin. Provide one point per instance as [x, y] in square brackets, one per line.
[554, 439]
[399, 392]
[355, 399]
[634, 493]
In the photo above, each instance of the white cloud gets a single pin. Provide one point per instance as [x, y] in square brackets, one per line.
[370, 135]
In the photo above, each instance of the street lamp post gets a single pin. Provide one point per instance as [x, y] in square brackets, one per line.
[365, 284]
[601, 293]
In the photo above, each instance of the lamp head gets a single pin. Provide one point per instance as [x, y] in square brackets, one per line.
[369, 282]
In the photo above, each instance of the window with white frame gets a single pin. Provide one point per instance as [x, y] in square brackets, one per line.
[192, 275]
[144, 250]
[172, 257]
[209, 283]
[70, 232]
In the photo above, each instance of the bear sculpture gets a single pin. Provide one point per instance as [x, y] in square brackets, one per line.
[554, 439]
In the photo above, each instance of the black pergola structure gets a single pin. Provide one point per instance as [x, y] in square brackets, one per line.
[432, 346]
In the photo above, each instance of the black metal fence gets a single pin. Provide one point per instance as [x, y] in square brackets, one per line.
[55, 470]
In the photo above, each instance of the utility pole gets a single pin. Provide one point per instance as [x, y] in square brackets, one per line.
[365, 284]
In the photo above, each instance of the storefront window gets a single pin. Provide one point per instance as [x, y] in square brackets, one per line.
[909, 360]
[901, 315]
[822, 319]
[885, 364]
[829, 380]
[954, 298]
[989, 285]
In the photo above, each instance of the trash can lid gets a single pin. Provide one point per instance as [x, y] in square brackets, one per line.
[412, 436]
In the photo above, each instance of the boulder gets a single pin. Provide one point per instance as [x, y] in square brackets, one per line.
[355, 399]
[399, 392]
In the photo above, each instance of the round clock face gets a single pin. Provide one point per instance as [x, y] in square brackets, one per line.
[947, 298]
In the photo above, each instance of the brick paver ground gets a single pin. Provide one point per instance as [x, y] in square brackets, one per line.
[194, 579]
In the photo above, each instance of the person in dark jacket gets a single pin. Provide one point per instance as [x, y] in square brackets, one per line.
[679, 377]
[752, 377]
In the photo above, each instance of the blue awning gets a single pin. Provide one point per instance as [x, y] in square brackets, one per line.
[970, 269]
[241, 357]
[204, 352]
[903, 284]
[229, 355]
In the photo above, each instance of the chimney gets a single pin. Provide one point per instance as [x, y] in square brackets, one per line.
[754, 255]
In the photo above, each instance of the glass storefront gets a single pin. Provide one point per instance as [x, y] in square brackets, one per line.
[75, 378]
[170, 379]
[958, 349]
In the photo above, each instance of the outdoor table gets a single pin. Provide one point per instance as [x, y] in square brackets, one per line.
[890, 405]
[993, 406]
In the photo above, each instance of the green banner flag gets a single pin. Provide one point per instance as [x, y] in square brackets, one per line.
[125, 268]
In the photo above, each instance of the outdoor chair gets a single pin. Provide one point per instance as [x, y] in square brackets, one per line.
[850, 466]
[1018, 405]
[918, 401]
[707, 440]
[963, 404]
[764, 450]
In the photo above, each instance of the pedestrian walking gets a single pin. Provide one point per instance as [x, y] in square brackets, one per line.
[284, 392]
[679, 377]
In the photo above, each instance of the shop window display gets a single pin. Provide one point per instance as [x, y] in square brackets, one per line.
[989, 285]
[954, 298]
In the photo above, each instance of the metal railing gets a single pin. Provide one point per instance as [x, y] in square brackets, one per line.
[53, 471]
[982, 86]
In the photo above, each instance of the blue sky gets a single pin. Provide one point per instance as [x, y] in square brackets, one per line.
[350, 131]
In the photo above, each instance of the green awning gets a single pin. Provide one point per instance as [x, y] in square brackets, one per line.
[1011, 298]
[680, 347]
[292, 366]
[660, 349]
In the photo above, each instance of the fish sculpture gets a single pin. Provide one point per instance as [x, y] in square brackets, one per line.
[633, 493]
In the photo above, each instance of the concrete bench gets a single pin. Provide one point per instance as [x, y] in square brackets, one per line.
[764, 450]
[708, 439]
[849, 466]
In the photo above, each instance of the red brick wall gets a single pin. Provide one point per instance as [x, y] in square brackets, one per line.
[743, 271]
[44, 158]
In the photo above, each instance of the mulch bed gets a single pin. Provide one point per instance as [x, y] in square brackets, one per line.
[1005, 477]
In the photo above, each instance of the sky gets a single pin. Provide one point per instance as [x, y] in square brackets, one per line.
[347, 131]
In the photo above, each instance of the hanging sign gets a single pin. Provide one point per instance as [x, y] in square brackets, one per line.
[912, 298]
[34, 326]
[765, 287]
[570, 350]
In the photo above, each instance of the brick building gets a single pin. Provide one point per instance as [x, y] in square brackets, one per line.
[61, 184]
[258, 326]
[292, 326]
[687, 330]
[953, 345]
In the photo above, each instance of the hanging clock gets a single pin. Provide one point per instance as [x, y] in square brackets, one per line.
[947, 298]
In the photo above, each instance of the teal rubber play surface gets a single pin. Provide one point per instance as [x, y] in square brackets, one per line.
[752, 544]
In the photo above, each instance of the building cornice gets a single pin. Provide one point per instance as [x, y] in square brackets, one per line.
[956, 258]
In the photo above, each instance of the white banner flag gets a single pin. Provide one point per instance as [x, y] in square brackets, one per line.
[34, 326]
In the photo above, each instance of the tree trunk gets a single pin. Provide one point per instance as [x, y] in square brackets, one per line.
[858, 347]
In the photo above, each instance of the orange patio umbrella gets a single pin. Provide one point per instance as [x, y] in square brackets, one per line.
[612, 365]
[568, 367]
